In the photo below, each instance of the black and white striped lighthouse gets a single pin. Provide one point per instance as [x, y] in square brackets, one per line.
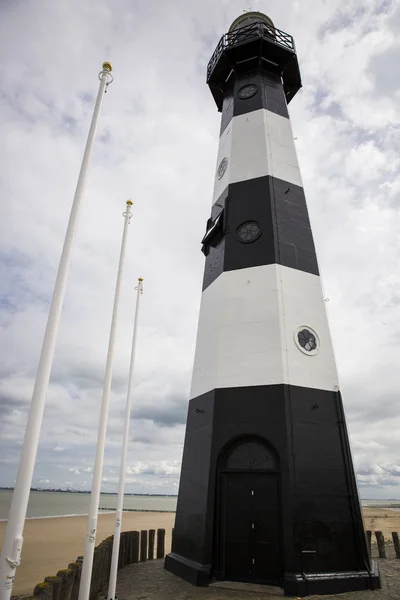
[267, 491]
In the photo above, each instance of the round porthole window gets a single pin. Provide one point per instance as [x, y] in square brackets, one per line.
[247, 91]
[222, 168]
[248, 232]
[307, 340]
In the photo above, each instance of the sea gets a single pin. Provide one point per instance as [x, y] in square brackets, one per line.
[60, 504]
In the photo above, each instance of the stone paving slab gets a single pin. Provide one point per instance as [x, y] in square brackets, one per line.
[248, 587]
[150, 581]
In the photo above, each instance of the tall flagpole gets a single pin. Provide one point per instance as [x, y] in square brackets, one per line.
[118, 519]
[12, 544]
[86, 575]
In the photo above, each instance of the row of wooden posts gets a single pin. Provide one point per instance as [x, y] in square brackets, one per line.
[380, 540]
[135, 547]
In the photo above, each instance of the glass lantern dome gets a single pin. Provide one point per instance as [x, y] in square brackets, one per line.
[250, 18]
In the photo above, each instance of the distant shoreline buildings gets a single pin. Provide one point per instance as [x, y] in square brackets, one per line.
[380, 502]
[72, 491]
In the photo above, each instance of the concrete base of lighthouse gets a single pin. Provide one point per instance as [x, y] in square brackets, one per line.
[268, 494]
[299, 584]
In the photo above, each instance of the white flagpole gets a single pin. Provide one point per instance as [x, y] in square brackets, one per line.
[118, 519]
[12, 544]
[84, 588]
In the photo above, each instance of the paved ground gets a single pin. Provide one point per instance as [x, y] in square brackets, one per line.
[150, 581]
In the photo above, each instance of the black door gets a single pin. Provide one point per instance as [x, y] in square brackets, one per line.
[250, 527]
[249, 530]
[265, 541]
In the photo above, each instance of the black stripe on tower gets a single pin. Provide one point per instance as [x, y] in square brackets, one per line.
[252, 91]
[320, 521]
[279, 209]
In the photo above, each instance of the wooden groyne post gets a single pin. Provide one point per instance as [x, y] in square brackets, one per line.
[396, 543]
[160, 543]
[369, 540]
[152, 535]
[143, 546]
[135, 547]
[381, 544]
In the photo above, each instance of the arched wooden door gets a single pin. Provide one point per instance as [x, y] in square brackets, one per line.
[248, 537]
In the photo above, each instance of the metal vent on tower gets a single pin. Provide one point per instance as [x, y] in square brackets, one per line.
[248, 232]
[247, 91]
[222, 167]
[307, 340]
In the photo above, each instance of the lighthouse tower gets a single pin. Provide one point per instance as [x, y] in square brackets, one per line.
[267, 491]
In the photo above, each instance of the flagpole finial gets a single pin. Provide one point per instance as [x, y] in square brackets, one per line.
[106, 74]
[127, 212]
[140, 279]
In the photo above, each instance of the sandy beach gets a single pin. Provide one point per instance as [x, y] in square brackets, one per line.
[50, 544]
[382, 519]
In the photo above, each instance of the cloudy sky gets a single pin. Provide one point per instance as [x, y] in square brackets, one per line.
[157, 144]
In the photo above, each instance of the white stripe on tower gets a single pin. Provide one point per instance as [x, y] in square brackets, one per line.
[247, 327]
[249, 317]
[256, 144]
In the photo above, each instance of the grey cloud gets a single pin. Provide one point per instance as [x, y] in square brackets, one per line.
[349, 16]
[393, 20]
[82, 375]
[11, 409]
[383, 69]
[142, 438]
[380, 409]
[393, 470]
[9, 405]
[370, 406]
[168, 414]
[342, 18]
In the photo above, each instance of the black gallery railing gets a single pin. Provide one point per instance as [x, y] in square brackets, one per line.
[245, 34]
